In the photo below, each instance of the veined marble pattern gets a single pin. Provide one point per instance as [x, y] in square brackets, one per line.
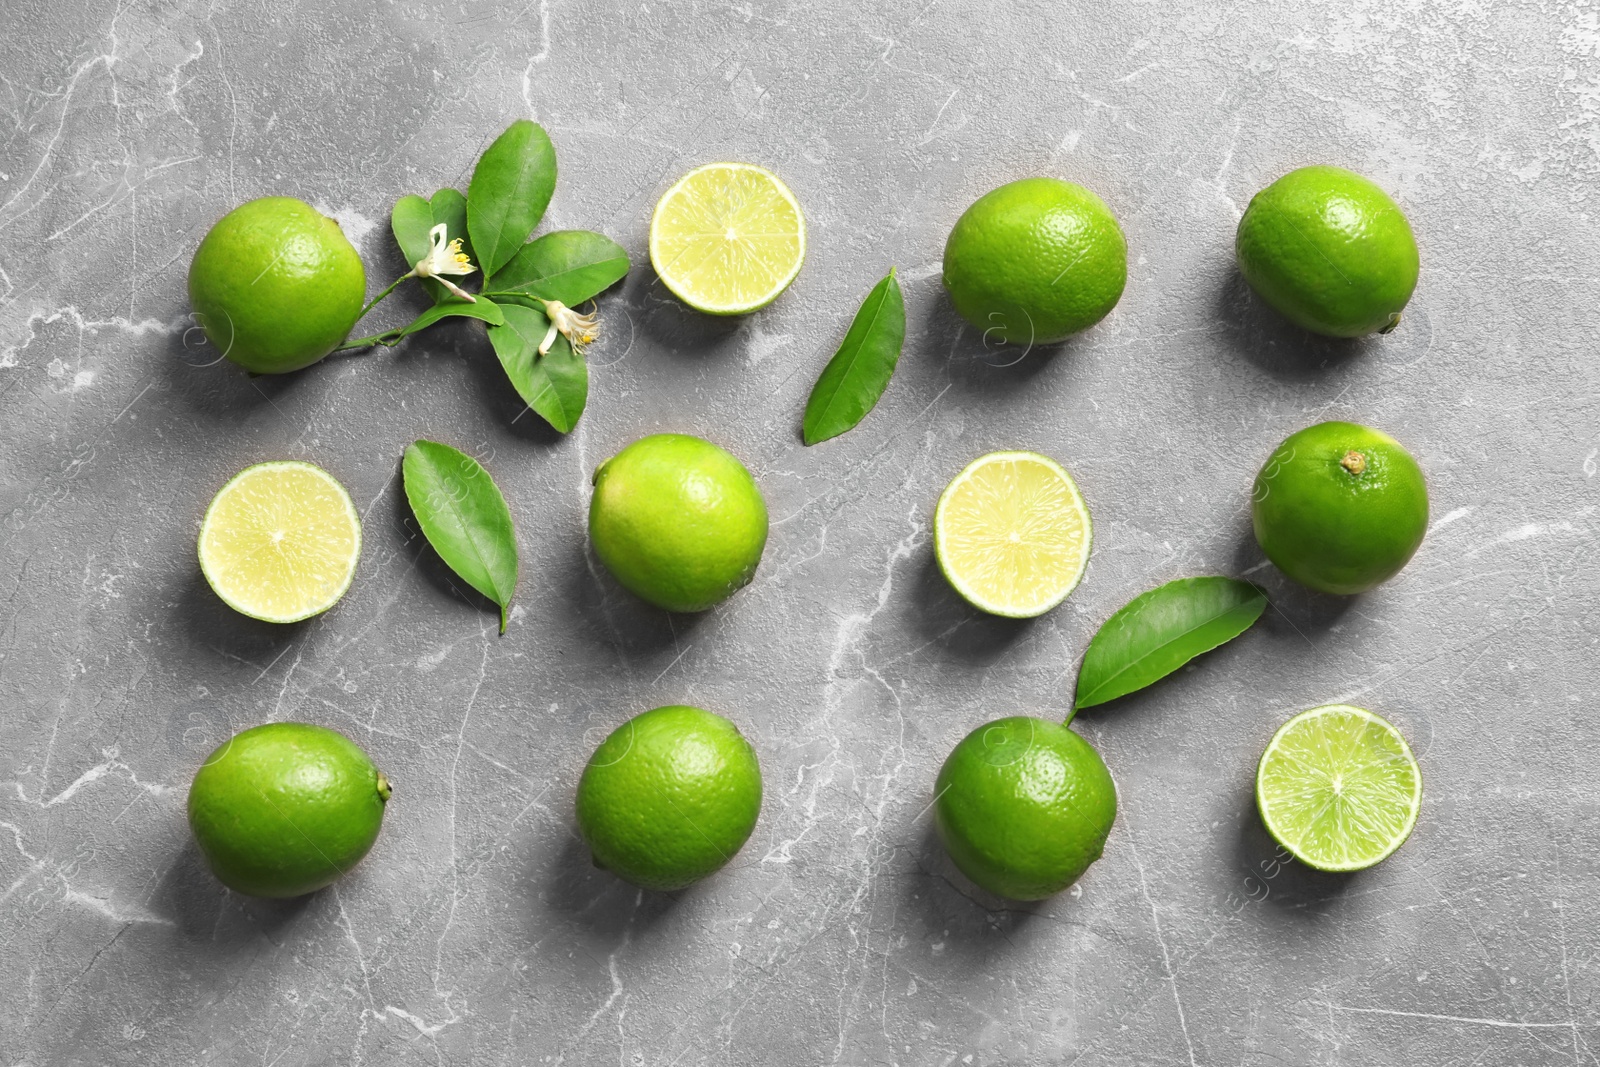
[477, 933]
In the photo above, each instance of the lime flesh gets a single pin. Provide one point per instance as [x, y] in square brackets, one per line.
[280, 542]
[728, 238]
[1338, 788]
[1012, 534]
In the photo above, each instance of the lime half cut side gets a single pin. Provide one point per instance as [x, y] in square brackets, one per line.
[1012, 534]
[280, 542]
[727, 238]
[1339, 788]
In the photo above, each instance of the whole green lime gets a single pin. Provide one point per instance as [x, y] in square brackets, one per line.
[286, 808]
[1024, 806]
[669, 797]
[1330, 251]
[1340, 507]
[275, 285]
[1036, 261]
[678, 521]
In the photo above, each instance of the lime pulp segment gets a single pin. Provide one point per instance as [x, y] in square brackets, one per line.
[1339, 788]
[280, 541]
[727, 238]
[1012, 534]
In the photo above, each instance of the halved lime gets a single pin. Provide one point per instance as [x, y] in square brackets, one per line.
[1012, 534]
[727, 238]
[1338, 787]
[280, 542]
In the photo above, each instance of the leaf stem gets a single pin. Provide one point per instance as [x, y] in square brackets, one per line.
[392, 287]
[383, 338]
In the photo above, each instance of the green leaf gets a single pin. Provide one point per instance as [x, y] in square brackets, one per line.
[555, 385]
[465, 518]
[568, 265]
[859, 372]
[413, 218]
[1157, 632]
[487, 310]
[510, 188]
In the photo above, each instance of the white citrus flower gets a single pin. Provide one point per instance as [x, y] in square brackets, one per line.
[445, 258]
[580, 330]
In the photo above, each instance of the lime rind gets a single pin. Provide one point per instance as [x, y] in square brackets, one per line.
[1035, 261]
[1024, 806]
[1339, 788]
[285, 808]
[218, 571]
[669, 797]
[276, 285]
[955, 558]
[666, 266]
[1330, 250]
[678, 521]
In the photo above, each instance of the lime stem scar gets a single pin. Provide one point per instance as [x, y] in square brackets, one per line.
[384, 788]
[1354, 462]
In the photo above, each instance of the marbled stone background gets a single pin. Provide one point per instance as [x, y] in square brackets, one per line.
[477, 932]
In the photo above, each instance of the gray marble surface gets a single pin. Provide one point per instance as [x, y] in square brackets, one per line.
[477, 932]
